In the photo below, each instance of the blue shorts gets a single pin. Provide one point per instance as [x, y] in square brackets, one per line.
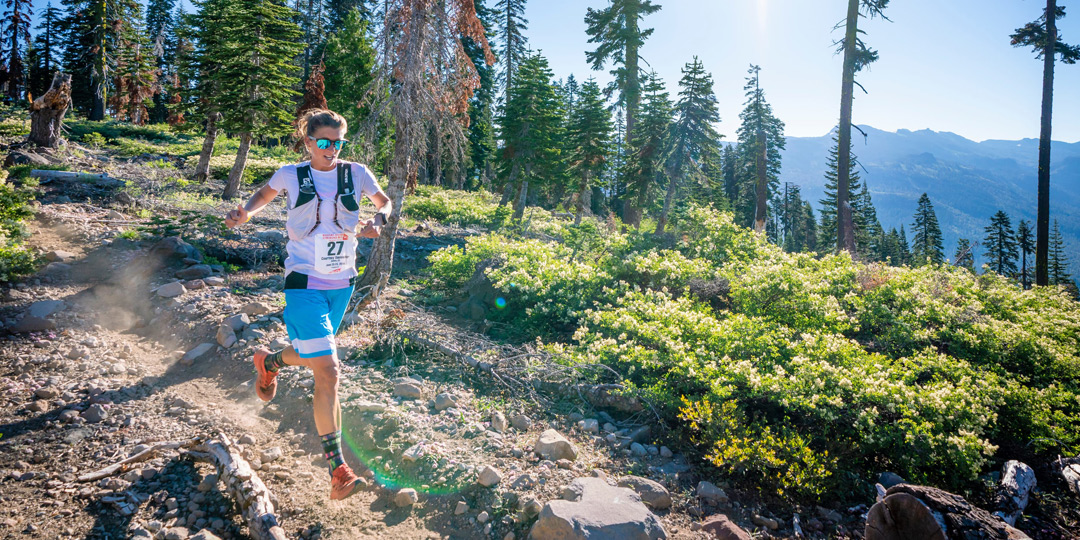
[312, 317]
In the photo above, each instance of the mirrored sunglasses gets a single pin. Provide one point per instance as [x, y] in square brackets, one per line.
[323, 144]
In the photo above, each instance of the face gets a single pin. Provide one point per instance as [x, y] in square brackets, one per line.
[324, 158]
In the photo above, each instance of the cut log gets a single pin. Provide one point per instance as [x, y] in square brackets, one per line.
[47, 112]
[125, 465]
[251, 495]
[1017, 481]
[901, 516]
[959, 519]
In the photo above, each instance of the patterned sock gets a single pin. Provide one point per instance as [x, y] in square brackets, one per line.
[274, 362]
[331, 445]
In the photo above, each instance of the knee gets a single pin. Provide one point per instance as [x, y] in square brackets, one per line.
[326, 370]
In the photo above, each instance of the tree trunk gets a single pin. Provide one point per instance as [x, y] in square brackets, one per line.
[845, 233]
[202, 170]
[97, 109]
[47, 112]
[1042, 225]
[232, 187]
[381, 260]
[508, 190]
[522, 200]
[761, 187]
[673, 185]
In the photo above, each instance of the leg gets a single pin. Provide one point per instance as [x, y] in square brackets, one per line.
[327, 407]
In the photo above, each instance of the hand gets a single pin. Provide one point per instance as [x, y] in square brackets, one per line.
[236, 217]
[369, 230]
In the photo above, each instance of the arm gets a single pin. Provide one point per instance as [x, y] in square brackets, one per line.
[384, 206]
[241, 214]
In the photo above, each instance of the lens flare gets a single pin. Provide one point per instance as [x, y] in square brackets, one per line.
[430, 474]
[500, 302]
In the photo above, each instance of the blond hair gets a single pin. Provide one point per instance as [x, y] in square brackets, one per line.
[311, 121]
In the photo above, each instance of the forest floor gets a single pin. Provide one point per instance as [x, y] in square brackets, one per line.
[107, 375]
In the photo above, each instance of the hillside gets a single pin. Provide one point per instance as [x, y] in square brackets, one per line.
[966, 180]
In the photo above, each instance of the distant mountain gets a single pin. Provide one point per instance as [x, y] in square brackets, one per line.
[966, 181]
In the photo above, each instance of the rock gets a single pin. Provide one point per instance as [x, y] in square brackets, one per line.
[272, 236]
[653, 494]
[255, 309]
[665, 452]
[444, 401]
[25, 157]
[498, 421]
[55, 268]
[888, 479]
[590, 425]
[214, 281]
[38, 406]
[406, 497]
[271, 454]
[44, 308]
[828, 514]
[69, 415]
[638, 450]
[199, 271]
[532, 508]
[768, 523]
[722, 528]
[601, 512]
[171, 290]
[408, 390]
[225, 336]
[247, 439]
[237, 322]
[208, 483]
[206, 535]
[367, 406]
[461, 508]
[47, 392]
[413, 453]
[489, 476]
[521, 422]
[483, 517]
[195, 285]
[174, 249]
[95, 413]
[710, 493]
[551, 445]
[194, 354]
[60, 256]
[31, 323]
[176, 533]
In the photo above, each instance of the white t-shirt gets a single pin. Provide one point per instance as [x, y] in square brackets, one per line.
[301, 255]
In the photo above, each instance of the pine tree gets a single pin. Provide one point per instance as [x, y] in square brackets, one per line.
[46, 59]
[964, 256]
[810, 226]
[135, 76]
[531, 128]
[589, 133]
[1042, 35]
[16, 34]
[160, 30]
[255, 76]
[616, 31]
[1000, 244]
[1025, 243]
[1058, 267]
[96, 31]
[759, 173]
[868, 229]
[512, 26]
[644, 170]
[481, 134]
[339, 10]
[827, 232]
[926, 246]
[692, 136]
[903, 249]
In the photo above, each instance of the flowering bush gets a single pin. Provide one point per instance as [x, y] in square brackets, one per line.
[456, 207]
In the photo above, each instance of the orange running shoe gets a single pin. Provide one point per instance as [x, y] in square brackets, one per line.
[266, 381]
[344, 483]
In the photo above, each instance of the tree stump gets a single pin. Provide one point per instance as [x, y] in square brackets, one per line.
[47, 112]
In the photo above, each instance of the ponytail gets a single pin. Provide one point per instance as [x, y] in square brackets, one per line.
[311, 121]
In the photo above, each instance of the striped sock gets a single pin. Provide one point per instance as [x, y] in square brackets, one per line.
[331, 445]
[274, 362]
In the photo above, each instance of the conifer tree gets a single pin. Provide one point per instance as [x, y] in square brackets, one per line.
[46, 58]
[616, 31]
[1000, 244]
[1026, 244]
[730, 160]
[16, 35]
[868, 231]
[964, 256]
[1042, 35]
[827, 232]
[255, 77]
[514, 46]
[481, 134]
[339, 10]
[810, 226]
[644, 170]
[349, 57]
[161, 33]
[761, 143]
[857, 56]
[589, 133]
[1058, 266]
[692, 137]
[531, 128]
[926, 246]
[134, 74]
[903, 247]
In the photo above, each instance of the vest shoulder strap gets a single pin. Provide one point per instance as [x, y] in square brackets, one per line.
[346, 187]
[307, 185]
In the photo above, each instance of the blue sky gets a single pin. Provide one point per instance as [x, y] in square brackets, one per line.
[945, 65]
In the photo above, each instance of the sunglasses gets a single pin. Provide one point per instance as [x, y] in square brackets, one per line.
[323, 144]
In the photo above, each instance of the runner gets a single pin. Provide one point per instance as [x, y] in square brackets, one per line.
[320, 270]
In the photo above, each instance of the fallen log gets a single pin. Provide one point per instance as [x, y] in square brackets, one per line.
[251, 494]
[1017, 481]
[49, 175]
[911, 511]
[1070, 471]
[125, 465]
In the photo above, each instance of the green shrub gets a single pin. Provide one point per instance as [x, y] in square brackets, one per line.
[15, 259]
[94, 139]
[15, 126]
[457, 207]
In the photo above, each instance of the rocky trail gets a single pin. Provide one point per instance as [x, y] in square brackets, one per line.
[119, 344]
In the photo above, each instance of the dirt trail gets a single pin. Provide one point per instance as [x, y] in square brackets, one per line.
[109, 378]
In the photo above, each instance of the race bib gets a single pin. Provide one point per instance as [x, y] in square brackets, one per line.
[333, 254]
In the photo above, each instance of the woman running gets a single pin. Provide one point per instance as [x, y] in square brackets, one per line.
[323, 216]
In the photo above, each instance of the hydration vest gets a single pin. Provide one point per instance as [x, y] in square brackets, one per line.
[303, 217]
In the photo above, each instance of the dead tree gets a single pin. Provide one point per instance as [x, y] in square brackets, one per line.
[202, 171]
[47, 112]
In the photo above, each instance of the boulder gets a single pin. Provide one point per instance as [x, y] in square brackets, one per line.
[489, 476]
[498, 421]
[173, 249]
[553, 446]
[444, 401]
[408, 390]
[225, 336]
[722, 528]
[60, 256]
[214, 281]
[653, 494]
[237, 322]
[406, 497]
[599, 512]
[171, 290]
[255, 309]
[711, 494]
[31, 323]
[95, 413]
[25, 157]
[888, 479]
[521, 422]
[199, 271]
[194, 354]
[205, 535]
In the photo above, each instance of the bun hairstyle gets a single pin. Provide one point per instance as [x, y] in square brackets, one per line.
[311, 121]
